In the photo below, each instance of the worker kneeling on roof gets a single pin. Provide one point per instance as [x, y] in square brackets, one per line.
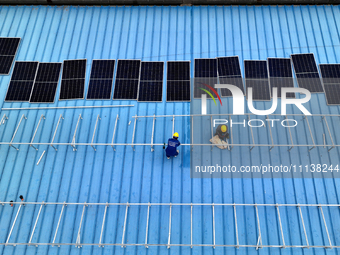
[173, 143]
[222, 133]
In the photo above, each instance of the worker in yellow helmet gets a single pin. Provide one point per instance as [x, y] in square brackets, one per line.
[222, 132]
[173, 143]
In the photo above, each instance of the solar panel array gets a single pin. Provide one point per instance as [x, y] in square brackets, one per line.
[73, 79]
[8, 49]
[101, 79]
[205, 73]
[256, 77]
[306, 72]
[331, 82]
[46, 83]
[178, 81]
[229, 72]
[127, 79]
[280, 75]
[151, 82]
[22, 80]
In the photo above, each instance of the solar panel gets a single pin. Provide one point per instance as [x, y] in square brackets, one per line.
[8, 49]
[46, 83]
[281, 75]
[127, 79]
[22, 80]
[229, 72]
[331, 82]
[73, 79]
[205, 75]
[101, 79]
[306, 72]
[178, 81]
[256, 77]
[151, 82]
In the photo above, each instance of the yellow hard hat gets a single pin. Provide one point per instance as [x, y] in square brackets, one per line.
[175, 135]
[224, 128]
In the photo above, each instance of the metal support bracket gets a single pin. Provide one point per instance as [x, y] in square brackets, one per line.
[147, 227]
[15, 132]
[124, 229]
[36, 130]
[291, 137]
[103, 224]
[310, 132]
[169, 237]
[35, 224]
[3, 119]
[55, 132]
[15, 220]
[271, 136]
[133, 134]
[329, 132]
[153, 132]
[252, 135]
[81, 222]
[75, 133]
[114, 133]
[94, 132]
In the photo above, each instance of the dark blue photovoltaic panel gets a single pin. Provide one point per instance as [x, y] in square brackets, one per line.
[281, 75]
[178, 71]
[101, 79]
[8, 49]
[151, 82]
[46, 83]
[128, 69]
[205, 67]
[255, 69]
[127, 79]
[306, 72]
[102, 69]
[73, 79]
[331, 80]
[280, 67]
[178, 81]
[229, 72]
[256, 77]
[228, 67]
[20, 86]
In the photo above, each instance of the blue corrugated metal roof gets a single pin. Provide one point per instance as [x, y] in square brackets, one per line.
[52, 34]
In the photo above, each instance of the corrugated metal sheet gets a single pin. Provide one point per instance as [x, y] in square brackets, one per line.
[52, 34]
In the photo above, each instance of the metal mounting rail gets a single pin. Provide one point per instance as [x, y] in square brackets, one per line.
[15, 132]
[36, 130]
[214, 216]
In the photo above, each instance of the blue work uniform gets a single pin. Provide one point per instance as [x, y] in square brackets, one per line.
[171, 150]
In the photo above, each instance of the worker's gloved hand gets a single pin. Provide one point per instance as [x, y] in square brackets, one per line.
[228, 136]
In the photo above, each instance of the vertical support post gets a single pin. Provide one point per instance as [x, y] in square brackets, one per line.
[114, 133]
[259, 227]
[94, 132]
[35, 224]
[231, 134]
[271, 136]
[133, 134]
[324, 221]
[147, 227]
[278, 214]
[169, 226]
[310, 132]
[213, 210]
[15, 132]
[3, 119]
[303, 225]
[15, 220]
[75, 133]
[36, 130]
[79, 229]
[329, 132]
[212, 131]
[291, 137]
[252, 135]
[191, 225]
[173, 125]
[103, 224]
[192, 132]
[126, 213]
[153, 131]
[236, 230]
[41, 157]
[56, 231]
[55, 131]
